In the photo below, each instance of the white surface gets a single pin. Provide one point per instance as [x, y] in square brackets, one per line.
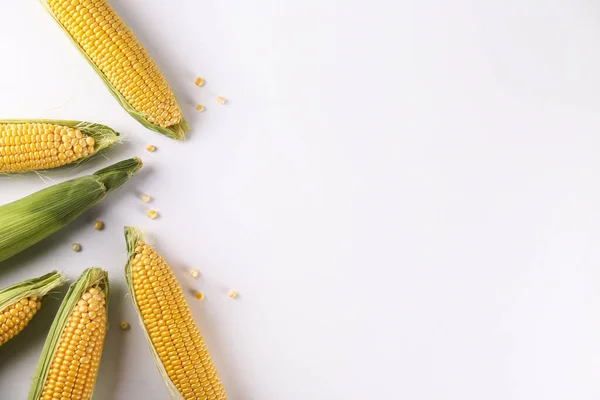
[405, 194]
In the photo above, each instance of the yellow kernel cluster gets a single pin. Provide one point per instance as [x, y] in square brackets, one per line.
[74, 367]
[35, 146]
[170, 325]
[113, 48]
[14, 318]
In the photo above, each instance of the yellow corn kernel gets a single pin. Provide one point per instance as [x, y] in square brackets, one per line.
[194, 273]
[124, 326]
[199, 295]
[121, 60]
[152, 214]
[151, 148]
[99, 225]
[74, 366]
[38, 146]
[163, 305]
[199, 81]
[232, 294]
[200, 108]
[76, 247]
[14, 318]
[146, 198]
[221, 100]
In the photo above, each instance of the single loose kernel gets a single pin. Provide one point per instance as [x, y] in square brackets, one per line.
[152, 214]
[200, 107]
[125, 325]
[232, 294]
[194, 273]
[76, 247]
[151, 148]
[99, 225]
[199, 81]
[221, 100]
[146, 198]
[199, 295]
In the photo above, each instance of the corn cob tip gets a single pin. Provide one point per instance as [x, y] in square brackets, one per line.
[117, 174]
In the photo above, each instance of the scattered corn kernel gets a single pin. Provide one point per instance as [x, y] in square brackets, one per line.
[146, 198]
[151, 148]
[194, 273]
[199, 81]
[200, 107]
[232, 294]
[199, 296]
[152, 214]
[221, 100]
[76, 247]
[99, 225]
[125, 326]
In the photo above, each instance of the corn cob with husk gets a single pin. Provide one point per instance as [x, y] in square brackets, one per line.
[25, 222]
[122, 62]
[175, 342]
[32, 145]
[69, 363]
[20, 302]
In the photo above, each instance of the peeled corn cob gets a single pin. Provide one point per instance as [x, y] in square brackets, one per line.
[122, 62]
[25, 222]
[20, 302]
[69, 363]
[175, 341]
[30, 145]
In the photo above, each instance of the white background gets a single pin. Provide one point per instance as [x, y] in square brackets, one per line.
[406, 194]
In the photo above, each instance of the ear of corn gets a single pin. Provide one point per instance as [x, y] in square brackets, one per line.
[31, 145]
[27, 221]
[69, 363]
[20, 302]
[122, 62]
[175, 342]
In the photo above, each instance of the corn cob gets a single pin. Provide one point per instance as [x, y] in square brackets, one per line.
[27, 221]
[175, 342]
[30, 145]
[68, 366]
[20, 302]
[122, 62]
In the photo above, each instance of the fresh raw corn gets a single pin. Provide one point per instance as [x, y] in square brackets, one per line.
[69, 363]
[32, 145]
[20, 302]
[175, 341]
[122, 62]
[25, 222]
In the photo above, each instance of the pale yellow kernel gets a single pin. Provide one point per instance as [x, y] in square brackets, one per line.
[221, 100]
[232, 294]
[152, 214]
[194, 273]
[146, 198]
[200, 107]
[199, 295]
[151, 148]
[99, 225]
[199, 81]
[76, 247]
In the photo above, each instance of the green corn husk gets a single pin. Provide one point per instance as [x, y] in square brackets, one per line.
[176, 132]
[36, 287]
[104, 136]
[27, 221]
[91, 277]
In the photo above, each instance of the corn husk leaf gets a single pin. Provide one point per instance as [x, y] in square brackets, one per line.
[27, 221]
[36, 287]
[132, 237]
[176, 132]
[91, 277]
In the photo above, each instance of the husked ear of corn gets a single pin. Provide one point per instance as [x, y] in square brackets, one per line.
[175, 342]
[122, 62]
[69, 363]
[20, 302]
[25, 222]
[32, 145]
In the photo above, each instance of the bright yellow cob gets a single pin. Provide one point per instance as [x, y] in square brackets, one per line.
[14, 318]
[175, 341]
[122, 62]
[69, 363]
[31, 145]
